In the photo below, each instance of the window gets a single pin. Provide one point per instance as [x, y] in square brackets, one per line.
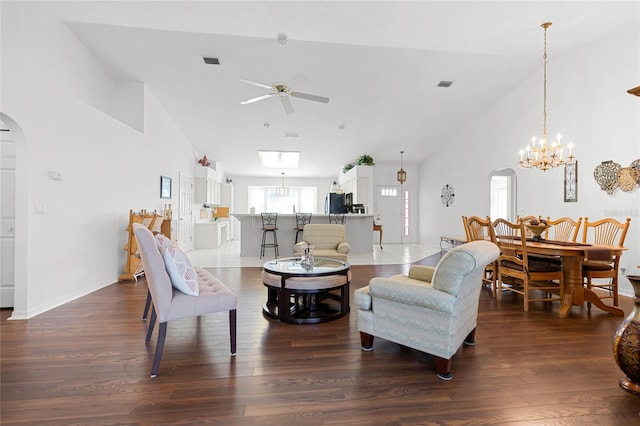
[405, 214]
[388, 192]
[300, 198]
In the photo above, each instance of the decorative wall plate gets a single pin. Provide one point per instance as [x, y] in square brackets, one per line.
[447, 195]
[606, 174]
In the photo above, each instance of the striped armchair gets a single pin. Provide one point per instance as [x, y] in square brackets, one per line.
[432, 309]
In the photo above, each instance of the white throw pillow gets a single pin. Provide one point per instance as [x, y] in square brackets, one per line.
[183, 275]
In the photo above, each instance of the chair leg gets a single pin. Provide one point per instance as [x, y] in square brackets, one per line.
[162, 333]
[275, 242]
[152, 323]
[232, 330]
[264, 236]
[470, 340]
[366, 341]
[443, 368]
[146, 306]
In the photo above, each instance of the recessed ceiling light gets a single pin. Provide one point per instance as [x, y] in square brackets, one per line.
[280, 159]
[445, 83]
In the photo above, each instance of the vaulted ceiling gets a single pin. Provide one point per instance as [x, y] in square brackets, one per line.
[379, 63]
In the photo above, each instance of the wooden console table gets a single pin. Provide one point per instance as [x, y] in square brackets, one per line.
[379, 229]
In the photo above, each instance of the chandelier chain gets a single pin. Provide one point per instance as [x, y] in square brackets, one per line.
[541, 154]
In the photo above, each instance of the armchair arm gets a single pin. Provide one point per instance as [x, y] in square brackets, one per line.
[422, 273]
[408, 293]
[343, 247]
[297, 247]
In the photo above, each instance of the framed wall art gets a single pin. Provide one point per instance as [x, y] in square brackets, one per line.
[165, 187]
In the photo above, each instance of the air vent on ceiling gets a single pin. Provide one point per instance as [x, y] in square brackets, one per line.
[445, 83]
[211, 61]
[291, 134]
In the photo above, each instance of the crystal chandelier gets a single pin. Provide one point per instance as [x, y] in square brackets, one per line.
[401, 175]
[540, 154]
[282, 191]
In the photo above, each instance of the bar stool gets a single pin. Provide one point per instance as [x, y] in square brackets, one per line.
[301, 220]
[269, 221]
[336, 218]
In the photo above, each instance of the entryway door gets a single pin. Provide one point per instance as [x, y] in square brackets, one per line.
[389, 206]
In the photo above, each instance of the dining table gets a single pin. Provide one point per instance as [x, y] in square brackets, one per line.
[572, 254]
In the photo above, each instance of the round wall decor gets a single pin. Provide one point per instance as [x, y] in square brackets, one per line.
[447, 195]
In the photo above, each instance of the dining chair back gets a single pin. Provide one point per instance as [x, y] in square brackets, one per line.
[481, 229]
[564, 228]
[603, 232]
[520, 274]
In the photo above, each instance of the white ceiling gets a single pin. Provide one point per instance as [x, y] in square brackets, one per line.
[378, 62]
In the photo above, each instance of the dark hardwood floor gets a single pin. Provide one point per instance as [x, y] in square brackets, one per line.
[86, 363]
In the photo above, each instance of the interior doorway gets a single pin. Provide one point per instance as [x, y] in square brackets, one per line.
[503, 190]
[7, 215]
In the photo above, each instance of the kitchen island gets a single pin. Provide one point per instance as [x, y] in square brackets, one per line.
[359, 233]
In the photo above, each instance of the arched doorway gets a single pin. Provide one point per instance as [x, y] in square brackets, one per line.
[503, 191]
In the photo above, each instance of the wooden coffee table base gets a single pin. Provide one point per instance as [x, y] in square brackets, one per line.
[307, 306]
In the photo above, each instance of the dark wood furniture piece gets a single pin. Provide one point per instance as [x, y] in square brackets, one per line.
[379, 229]
[302, 295]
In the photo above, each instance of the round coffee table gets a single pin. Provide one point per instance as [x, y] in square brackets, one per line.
[306, 296]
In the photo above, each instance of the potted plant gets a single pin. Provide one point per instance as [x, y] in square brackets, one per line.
[347, 167]
[365, 160]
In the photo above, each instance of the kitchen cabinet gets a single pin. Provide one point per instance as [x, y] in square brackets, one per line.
[206, 191]
[359, 182]
[209, 235]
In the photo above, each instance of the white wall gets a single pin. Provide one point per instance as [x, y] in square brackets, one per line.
[52, 87]
[588, 104]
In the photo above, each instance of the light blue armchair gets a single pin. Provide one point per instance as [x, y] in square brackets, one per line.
[433, 310]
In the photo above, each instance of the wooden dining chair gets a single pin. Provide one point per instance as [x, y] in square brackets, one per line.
[564, 228]
[522, 274]
[466, 227]
[603, 232]
[481, 229]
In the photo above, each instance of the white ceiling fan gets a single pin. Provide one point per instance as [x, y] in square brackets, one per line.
[283, 92]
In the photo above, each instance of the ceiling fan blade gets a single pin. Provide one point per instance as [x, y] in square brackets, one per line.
[256, 99]
[286, 103]
[257, 84]
[310, 97]
[297, 80]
